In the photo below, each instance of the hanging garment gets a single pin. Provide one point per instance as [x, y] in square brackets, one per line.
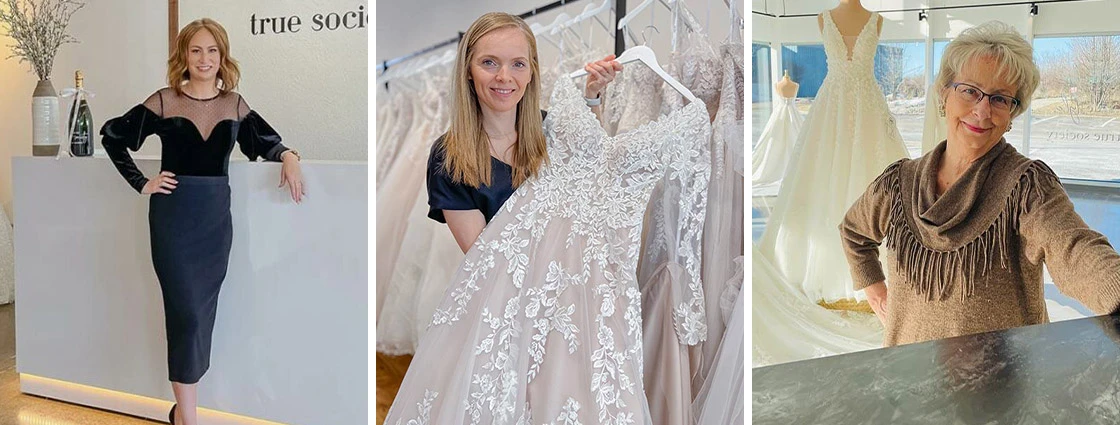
[848, 138]
[402, 185]
[723, 226]
[574, 55]
[671, 239]
[7, 260]
[543, 320]
[720, 399]
[401, 125]
[403, 250]
[775, 145]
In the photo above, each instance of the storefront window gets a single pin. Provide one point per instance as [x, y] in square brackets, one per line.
[900, 70]
[1075, 111]
[762, 89]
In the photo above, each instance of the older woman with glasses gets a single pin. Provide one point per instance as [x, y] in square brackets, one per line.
[969, 225]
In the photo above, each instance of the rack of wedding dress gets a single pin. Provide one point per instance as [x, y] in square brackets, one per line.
[690, 260]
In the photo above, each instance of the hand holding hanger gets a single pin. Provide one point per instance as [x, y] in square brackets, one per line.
[600, 73]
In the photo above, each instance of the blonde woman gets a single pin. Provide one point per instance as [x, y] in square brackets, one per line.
[198, 118]
[542, 321]
[969, 225]
[496, 141]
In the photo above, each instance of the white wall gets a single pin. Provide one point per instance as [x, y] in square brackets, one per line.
[122, 50]
[310, 85]
[404, 26]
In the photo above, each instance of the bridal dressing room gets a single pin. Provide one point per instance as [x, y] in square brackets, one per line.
[935, 188]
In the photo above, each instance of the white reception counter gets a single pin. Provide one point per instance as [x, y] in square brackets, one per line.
[290, 340]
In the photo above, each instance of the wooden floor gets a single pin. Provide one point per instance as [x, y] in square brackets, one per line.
[390, 373]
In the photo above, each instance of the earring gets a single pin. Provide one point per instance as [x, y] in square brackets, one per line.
[941, 110]
[1009, 125]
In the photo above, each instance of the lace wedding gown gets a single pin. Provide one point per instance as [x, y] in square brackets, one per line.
[849, 137]
[543, 322]
[720, 399]
[671, 240]
[775, 145]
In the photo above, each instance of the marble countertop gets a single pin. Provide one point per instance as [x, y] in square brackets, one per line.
[1058, 373]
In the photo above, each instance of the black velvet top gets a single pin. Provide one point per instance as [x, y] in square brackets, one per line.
[197, 135]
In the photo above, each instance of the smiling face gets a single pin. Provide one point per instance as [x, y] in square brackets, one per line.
[974, 125]
[203, 57]
[500, 69]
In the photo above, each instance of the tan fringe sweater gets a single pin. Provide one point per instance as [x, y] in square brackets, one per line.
[971, 260]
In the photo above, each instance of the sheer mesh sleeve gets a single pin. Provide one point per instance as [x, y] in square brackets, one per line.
[256, 137]
[128, 131]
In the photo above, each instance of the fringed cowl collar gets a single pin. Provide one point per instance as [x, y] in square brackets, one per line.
[957, 238]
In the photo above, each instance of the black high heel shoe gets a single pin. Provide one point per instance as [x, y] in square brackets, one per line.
[171, 416]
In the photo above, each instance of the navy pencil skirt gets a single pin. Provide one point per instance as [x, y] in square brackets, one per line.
[191, 233]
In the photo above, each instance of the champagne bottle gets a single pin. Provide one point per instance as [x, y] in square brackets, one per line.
[81, 122]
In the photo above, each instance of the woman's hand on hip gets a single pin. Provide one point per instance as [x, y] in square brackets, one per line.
[599, 74]
[163, 183]
[877, 298]
[292, 176]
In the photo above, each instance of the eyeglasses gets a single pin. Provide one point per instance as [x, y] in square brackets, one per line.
[973, 94]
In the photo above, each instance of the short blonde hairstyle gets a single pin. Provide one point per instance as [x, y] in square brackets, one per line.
[228, 71]
[1000, 42]
[467, 149]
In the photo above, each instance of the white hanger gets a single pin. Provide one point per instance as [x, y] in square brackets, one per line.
[633, 13]
[551, 28]
[592, 11]
[644, 55]
[539, 33]
[622, 23]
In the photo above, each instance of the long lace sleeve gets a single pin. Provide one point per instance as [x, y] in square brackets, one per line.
[256, 137]
[683, 197]
[128, 131]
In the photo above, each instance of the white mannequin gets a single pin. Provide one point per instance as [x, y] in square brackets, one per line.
[786, 87]
[850, 17]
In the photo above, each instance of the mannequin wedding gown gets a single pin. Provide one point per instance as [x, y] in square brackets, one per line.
[775, 145]
[848, 138]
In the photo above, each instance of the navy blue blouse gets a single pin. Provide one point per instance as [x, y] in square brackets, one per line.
[445, 194]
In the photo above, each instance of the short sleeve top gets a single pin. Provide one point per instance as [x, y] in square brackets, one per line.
[446, 194]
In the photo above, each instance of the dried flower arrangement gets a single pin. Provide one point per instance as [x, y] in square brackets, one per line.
[38, 28]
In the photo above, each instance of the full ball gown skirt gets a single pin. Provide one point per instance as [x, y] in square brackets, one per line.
[543, 320]
[848, 139]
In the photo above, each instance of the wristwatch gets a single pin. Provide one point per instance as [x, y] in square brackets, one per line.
[293, 151]
[594, 101]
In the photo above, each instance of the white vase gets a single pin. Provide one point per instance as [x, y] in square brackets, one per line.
[45, 120]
